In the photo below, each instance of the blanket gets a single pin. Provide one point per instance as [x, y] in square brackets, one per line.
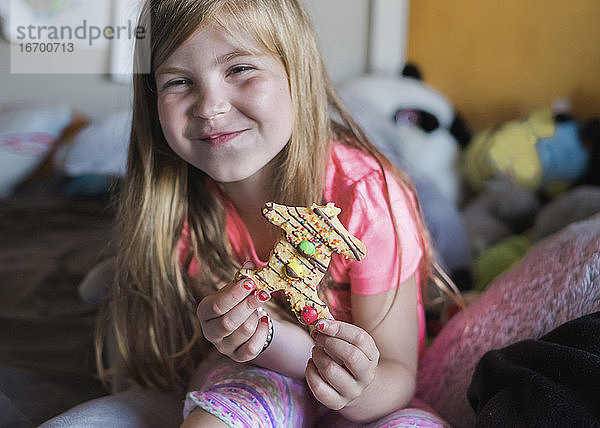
[557, 281]
[549, 382]
[47, 245]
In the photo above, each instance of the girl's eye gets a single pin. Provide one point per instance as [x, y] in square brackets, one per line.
[177, 82]
[237, 69]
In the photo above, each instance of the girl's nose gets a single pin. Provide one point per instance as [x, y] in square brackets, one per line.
[210, 103]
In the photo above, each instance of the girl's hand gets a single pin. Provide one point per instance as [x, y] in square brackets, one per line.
[343, 363]
[230, 320]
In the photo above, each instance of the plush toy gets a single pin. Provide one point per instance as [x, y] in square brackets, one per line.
[505, 219]
[548, 150]
[498, 259]
[557, 281]
[574, 205]
[500, 210]
[416, 127]
[421, 118]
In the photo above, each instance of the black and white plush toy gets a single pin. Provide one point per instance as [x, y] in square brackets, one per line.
[423, 130]
[417, 128]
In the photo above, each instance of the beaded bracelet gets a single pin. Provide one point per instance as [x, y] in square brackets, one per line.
[262, 313]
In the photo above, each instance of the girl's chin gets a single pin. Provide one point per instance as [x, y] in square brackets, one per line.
[241, 168]
[231, 177]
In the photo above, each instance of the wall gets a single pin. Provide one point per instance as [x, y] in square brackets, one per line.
[91, 94]
[342, 27]
[500, 60]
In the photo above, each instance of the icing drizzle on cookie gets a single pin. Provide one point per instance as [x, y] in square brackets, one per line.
[302, 255]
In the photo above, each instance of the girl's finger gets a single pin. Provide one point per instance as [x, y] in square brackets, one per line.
[231, 341]
[249, 264]
[351, 334]
[322, 391]
[251, 347]
[345, 354]
[331, 372]
[230, 322]
[225, 299]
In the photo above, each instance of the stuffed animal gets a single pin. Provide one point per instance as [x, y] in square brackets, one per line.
[574, 205]
[424, 132]
[558, 280]
[416, 127]
[500, 210]
[548, 150]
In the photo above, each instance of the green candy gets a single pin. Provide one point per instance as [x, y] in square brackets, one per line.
[307, 248]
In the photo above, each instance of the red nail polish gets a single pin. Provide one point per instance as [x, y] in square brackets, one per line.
[249, 284]
[264, 319]
[321, 325]
[313, 334]
[263, 296]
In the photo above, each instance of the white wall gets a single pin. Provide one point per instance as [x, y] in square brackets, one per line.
[341, 25]
[91, 94]
[342, 28]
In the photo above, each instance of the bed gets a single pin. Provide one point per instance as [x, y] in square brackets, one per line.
[53, 230]
[48, 243]
[56, 215]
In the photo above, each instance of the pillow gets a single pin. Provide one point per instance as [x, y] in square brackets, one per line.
[46, 170]
[99, 149]
[27, 134]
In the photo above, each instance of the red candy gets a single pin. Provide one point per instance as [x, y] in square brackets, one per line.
[309, 314]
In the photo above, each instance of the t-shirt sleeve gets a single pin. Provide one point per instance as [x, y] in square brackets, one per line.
[367, 217]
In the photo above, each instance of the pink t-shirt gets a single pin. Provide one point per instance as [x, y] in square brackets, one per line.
[355, 184]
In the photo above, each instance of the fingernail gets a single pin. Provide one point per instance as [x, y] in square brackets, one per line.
[248, 284]
[247, 264]
[321, 325]
[313, 334]
[263, 296]
[264, 319]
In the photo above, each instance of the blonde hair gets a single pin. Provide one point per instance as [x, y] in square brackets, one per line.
[152, 307]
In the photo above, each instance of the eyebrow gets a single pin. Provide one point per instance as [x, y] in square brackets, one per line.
[223, 59]
[231, 55]
[169, 70]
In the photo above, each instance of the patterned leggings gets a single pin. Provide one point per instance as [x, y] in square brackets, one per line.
[244, 396]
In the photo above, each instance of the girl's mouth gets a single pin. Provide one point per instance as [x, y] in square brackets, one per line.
[221, 138]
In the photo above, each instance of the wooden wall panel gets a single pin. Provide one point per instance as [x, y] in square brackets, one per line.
[499, 60]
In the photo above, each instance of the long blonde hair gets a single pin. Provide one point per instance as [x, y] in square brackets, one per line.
[152, 307]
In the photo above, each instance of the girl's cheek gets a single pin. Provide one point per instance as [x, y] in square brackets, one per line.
[264, 91]
[163, 115]
[169, 107]
[255, 88]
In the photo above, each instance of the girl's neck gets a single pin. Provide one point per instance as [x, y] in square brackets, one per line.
[248, 197]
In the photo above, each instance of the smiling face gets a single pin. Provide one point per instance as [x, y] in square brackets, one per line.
[224, 107]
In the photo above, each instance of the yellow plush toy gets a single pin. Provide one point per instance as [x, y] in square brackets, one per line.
[531, 153]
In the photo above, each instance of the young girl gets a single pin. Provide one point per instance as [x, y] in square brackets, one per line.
[236, 112]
